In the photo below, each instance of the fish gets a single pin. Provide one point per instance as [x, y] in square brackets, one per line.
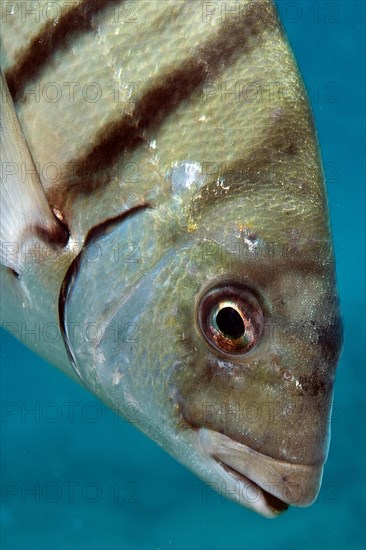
[165, 235]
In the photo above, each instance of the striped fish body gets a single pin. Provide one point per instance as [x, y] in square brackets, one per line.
[165, 224]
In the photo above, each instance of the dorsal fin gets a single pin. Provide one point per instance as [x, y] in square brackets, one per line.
[25, 212]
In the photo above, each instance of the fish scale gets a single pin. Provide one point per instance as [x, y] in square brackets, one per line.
[206, 108]
[181, 178]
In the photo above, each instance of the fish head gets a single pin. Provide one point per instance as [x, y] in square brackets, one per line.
[216, 330]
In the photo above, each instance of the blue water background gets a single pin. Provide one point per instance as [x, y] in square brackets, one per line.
[147, 499]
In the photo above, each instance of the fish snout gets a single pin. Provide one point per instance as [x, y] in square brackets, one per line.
[277, 483]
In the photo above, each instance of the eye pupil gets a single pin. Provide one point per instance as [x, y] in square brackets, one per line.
[230, 323]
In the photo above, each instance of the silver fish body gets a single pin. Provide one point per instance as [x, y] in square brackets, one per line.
[166, 211]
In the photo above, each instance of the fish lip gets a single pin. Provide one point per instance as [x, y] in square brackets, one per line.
[273, 505]
[277, 483]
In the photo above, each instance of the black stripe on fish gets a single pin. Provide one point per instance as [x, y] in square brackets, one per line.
[104, 227]
[13, 273]
[72, 272]
[35, 57]
[282, 143]
[163, 98]
[56, 237]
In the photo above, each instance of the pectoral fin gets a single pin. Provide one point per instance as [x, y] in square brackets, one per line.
[25, 212]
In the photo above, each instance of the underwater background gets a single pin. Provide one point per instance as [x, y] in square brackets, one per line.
[73, 476]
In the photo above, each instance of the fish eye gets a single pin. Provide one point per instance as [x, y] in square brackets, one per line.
[231, 319]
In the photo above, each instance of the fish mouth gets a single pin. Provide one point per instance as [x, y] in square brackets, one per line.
[265, 484]
[274, 505]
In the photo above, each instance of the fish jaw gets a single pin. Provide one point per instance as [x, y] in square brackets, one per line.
[260, 482]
